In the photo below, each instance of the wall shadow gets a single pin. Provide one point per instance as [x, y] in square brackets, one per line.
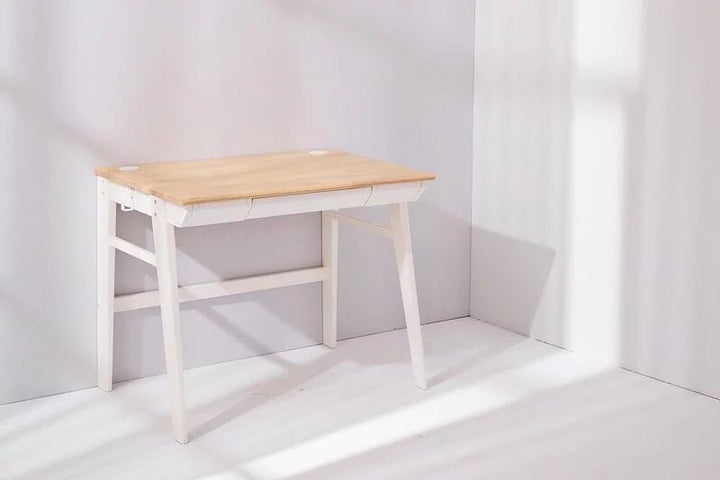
[509, 279]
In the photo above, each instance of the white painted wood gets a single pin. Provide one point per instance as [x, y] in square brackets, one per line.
[310, 202]
[224, 212]
[329, 288]
[406, 270]
[394, 193]
[419, 193]
[214, 213]
[141, 202]
[164, 239]
[176, 215]
[359, 222]
[133, 250]
[106, 219]
[122, 195]
[167, 216]
[223, 288]
[131, 199]
[239, 210]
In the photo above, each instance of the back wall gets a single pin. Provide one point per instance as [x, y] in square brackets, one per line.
[100, 83]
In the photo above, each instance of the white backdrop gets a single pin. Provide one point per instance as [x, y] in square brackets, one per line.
[84, 84]
[597, 180]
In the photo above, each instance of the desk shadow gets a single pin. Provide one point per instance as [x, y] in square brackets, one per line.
[509, 277]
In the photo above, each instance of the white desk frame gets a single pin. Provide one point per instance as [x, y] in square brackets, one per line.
[166, 216]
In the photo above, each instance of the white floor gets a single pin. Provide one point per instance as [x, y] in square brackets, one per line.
[500, 406]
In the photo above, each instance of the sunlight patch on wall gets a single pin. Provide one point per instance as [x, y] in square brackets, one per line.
[595, 233]
[607, 40]
[607, 68]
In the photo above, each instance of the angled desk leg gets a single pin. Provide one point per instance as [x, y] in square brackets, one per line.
[164, 239]
[400, 225]
[329, 285]
[106, 218]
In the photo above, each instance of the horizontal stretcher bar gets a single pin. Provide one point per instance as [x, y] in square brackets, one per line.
[133, 250]
[359, 222]
[201, 291]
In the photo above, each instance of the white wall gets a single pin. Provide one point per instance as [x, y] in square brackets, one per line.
[597, 180]
[84, 84]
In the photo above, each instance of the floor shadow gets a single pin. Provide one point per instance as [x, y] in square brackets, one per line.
[353, 351]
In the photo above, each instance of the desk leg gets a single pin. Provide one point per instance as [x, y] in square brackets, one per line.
[164, 239]
[329, 285]
[400, 225]
[106, 217]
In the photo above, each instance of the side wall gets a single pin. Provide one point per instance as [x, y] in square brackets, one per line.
[597, 180]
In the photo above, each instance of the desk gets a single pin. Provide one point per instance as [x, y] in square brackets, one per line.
[206, 192]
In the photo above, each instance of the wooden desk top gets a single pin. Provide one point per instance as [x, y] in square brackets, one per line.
[256, 176]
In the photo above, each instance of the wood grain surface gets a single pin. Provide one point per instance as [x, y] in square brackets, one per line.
[257, 176]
